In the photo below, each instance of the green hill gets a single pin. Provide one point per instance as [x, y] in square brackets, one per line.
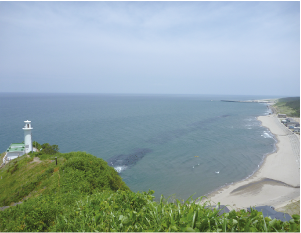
[83, 193]
[289, 106]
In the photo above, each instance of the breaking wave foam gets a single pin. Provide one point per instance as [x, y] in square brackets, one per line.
[120, 168]
[267, 134]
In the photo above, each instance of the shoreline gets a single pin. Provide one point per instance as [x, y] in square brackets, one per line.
[275, 183]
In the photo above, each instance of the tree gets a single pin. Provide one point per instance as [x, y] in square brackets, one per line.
[50, 149]
[36, 145]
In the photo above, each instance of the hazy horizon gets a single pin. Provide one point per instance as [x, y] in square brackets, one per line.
[178, 48]
[151, 94]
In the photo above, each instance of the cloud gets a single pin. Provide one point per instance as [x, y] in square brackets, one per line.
[149, 46]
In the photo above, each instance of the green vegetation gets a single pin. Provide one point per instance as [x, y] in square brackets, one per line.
[83, 193]
[46, 148]
[1, 157]
[36, 145]
[289, 106]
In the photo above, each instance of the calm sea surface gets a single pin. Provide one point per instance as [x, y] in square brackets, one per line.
[180, 145]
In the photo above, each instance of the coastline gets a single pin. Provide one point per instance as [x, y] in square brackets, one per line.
[277, 181]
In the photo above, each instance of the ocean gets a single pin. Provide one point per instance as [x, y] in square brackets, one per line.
[176, 145]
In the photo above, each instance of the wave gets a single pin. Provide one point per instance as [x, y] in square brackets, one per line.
[267, 134]
[120, 168]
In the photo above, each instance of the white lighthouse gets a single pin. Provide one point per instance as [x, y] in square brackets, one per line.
[27, 136]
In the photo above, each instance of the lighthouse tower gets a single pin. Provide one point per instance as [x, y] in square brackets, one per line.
[27, 136]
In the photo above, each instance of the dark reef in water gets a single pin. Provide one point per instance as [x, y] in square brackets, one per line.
[129, 159]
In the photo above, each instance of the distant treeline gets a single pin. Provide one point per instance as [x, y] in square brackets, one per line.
[291, 102]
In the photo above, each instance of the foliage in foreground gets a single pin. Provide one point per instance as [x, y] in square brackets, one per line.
[83, 193]
[128, 211]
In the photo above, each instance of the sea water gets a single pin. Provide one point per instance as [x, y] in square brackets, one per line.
[181, 144]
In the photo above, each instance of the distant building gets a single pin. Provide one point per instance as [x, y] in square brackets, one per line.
[296, 129]
[281, 115]
[18, 149]
[292, 124]
[15, 150]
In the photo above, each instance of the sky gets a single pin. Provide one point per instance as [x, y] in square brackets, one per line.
[237, 48]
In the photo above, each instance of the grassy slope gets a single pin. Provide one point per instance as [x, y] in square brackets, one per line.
[1, 157]
[23, 177]
[289, 106]
[82, 193]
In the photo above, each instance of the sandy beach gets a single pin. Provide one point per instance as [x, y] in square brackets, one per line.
[276, 183]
